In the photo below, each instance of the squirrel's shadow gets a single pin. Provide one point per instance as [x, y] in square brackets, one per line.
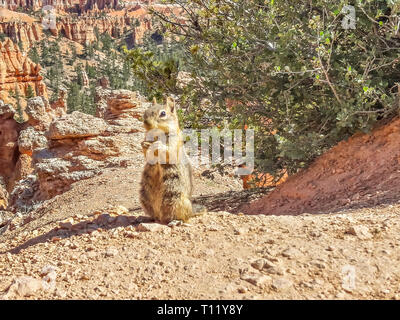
[230, 201]
[103, 221]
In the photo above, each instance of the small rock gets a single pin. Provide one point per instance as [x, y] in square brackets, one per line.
[119, 210]
[66, 224]
[240, 231]
[270, 257]
[130, 234]
[361, 232]
[274, 270]
[258, 264]
[152, 227]
[111, 252]
[256, 279]
[49, 275]
[318, 264]
[213, 228]
[92, 254]
[291, 253]
[281, 284]
[60, 293]
[341, 295]
[84, 276]
[242, 290]
[55, 239]
[262, 264]
[315, 234]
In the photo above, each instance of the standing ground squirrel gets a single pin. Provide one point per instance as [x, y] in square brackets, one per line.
[167, 182]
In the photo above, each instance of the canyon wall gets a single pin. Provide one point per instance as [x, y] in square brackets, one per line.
[115, 24]
[37, 4]
[18, 72]
[27, 33]
[130, 20]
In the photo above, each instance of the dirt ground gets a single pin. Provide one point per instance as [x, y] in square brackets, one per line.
[84, 245]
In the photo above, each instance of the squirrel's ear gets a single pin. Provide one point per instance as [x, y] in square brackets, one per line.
[154, 100]
[171, 104]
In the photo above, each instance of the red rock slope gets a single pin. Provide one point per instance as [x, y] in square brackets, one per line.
[362, 171]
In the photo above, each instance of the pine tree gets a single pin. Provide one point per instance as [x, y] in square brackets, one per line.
[20, 113]
[20, 46]
[34, 55]
[73, 99]
[73, 54]
[29, 92]
[79, 78]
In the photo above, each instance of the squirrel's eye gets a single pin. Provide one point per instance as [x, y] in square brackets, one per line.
[163, 114]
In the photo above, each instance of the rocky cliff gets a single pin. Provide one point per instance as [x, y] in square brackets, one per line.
[20, 31]
[90, 18]
[9, 131]
[37, 4]
[51, 150]
[18, 72]
[83, 30]
[98, 4]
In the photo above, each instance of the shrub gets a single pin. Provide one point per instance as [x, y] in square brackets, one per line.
[286, 68]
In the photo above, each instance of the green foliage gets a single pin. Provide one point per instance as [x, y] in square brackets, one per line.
[50, 52]
[81, 99]
[90, 70]
[106, 41]
[34, 55]
[88, 51]
[287, 69]
[156, 67]
[79, 76]
[20, 46]
[73, 54]
[29, 92]
[20, 114]
[117, 70]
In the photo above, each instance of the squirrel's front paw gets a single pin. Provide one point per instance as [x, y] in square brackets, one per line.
[145, 145]
[156, 153]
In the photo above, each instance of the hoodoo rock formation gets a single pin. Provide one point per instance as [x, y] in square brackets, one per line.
[99, 4]
[26, 33]
[85, 29]
[18, 72]
[87, 20]
[37, 4]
